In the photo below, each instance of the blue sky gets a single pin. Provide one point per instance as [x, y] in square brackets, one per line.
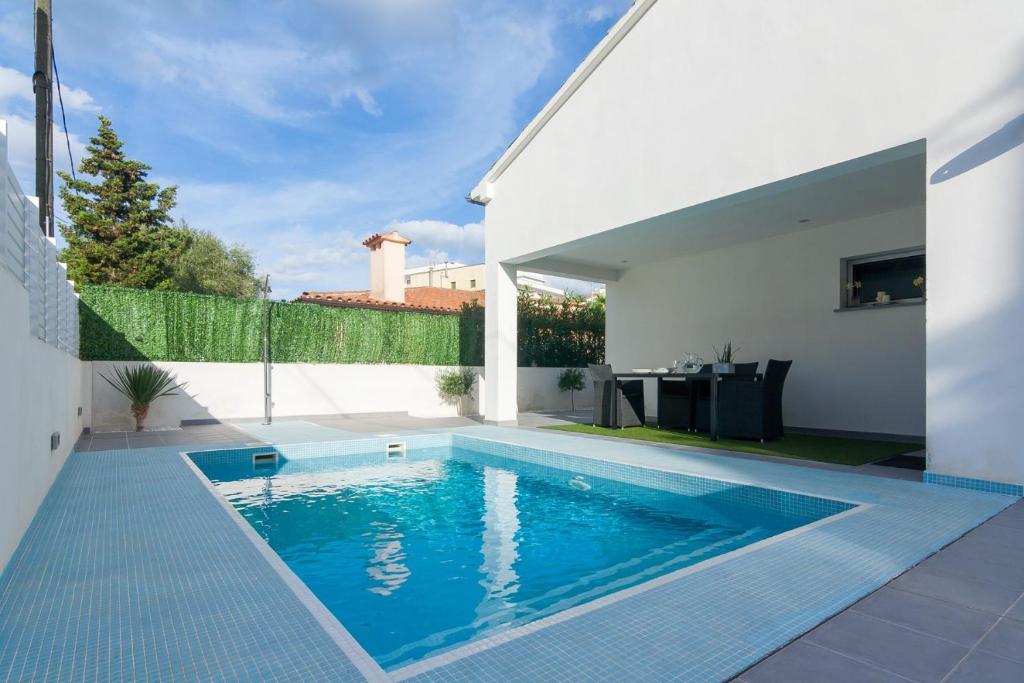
[299, 127]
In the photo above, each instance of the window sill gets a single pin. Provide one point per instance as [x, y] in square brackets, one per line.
[875, 307]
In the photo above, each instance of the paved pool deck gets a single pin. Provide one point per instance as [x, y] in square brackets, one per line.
[132, 570]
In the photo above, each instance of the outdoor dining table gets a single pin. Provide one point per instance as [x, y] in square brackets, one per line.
[711, 377]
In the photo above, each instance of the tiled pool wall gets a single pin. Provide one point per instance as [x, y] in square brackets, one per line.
[324, 449]
[788, 503]
[784, 502]
[983, 485]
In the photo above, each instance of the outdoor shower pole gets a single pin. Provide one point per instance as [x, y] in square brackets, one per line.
[267, 403]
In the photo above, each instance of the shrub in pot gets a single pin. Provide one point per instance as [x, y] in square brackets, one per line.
[456, 384]
[141, 385]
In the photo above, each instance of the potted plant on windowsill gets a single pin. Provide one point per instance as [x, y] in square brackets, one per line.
[725, 360]
[141, 385]
[854, 289]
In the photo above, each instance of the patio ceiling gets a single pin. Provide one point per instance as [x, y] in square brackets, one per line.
[877, 183]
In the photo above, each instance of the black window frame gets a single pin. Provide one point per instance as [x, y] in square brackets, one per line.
[847, 295]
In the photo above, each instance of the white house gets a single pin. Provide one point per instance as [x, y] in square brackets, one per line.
[727, 167]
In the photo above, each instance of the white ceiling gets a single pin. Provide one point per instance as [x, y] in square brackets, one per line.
[870, 185]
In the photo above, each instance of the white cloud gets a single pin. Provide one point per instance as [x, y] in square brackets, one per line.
[21, 149]
[284, 81]
[247, 210]
[301, 259]
[602, 11]
[443, 236]
[572, 286]
[16, 101]
[430, 258]
[76, 99]
[598, 13]
[15, 85]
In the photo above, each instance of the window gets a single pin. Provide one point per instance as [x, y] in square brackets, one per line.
[472, 284]
[408, 281]
[880, 279]
[453, 284]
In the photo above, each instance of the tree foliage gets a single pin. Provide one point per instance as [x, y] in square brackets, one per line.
[121, 231]
[564, 333]
[208, 266]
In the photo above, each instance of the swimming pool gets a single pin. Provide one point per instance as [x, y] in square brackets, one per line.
[438, 546]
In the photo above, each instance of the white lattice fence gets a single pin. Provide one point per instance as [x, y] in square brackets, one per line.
[32, 259]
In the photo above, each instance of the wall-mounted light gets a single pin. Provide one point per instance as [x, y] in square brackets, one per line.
[805, 220]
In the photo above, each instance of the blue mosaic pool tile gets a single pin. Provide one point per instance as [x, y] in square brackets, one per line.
[974, 484]
[323, 449]
[785, 502]
[133, 571]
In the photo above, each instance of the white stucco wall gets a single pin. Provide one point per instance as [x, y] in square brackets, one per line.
[705, 99]
[860, 370]
[976, 243]
[235, 390]
[40, 392]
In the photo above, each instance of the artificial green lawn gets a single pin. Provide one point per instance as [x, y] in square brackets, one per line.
[804, 447]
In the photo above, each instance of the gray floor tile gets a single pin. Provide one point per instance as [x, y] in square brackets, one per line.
[104, 438]
[1017, 611]
[957, 589]
[1010, 548]
[802, 661]
[997, 533]
[1005, 640]
[982, 667]
[929, 615]
[993, 567]
[893, 648]
[1012, 517]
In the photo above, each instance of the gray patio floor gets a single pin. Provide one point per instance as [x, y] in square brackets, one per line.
[957, 616]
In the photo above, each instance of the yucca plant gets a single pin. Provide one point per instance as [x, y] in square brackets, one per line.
[143, 384]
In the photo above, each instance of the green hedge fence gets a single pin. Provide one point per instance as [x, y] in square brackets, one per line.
[134, 324]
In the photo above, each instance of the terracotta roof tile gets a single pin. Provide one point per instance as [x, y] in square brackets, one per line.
[424, 299]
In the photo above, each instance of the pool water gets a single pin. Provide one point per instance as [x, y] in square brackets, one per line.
[417, 555]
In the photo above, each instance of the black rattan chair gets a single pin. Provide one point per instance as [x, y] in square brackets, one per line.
[629, 410]
[753, 410]
[702, 404]
[676, 402]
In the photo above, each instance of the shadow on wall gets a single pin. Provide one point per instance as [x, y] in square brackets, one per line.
[1002, 141]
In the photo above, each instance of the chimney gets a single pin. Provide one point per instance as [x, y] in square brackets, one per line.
[387, 266]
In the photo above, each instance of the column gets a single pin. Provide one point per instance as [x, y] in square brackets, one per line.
[501, 349]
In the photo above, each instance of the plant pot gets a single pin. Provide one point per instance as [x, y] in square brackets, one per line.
[140, 413]
[723, 368]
